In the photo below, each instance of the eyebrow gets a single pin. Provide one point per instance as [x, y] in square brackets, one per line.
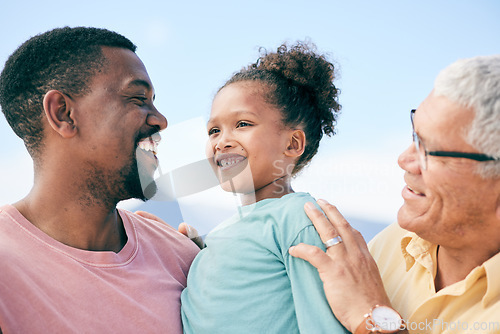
[141, 83]
[236, 114]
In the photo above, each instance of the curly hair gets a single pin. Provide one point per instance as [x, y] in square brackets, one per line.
[298, 82]
[65, 59]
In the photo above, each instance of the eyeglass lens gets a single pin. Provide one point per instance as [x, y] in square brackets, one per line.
[418, 144]
[422, 156]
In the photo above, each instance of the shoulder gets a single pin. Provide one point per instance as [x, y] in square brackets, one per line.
[391, 235]
[289, 210]
[387, 243]
[291, 224]
[13, 230]
[160, 235]
[292, 204]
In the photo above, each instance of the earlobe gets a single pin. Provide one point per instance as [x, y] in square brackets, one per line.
[57, 107]
[296, 144]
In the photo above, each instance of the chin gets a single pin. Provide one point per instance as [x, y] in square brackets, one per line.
[405, 218]
[240, 182]
[139, 186]
[413, 221]
[149, 191]
[237, 187]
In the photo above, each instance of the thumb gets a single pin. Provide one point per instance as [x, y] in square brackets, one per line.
[192, 234]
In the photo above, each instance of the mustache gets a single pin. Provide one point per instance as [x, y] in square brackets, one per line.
[147, 134]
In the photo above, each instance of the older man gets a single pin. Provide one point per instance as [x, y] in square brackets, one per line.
[82, 102]
[440, 266]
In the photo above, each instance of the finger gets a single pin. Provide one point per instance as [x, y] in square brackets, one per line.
[191, 233]
[147, 215]
[311, 254]
[349, 235]
[324, 227]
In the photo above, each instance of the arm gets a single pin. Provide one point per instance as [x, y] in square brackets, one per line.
[311, 307]
[350, 276]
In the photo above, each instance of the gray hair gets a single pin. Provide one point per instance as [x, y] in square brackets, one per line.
[475, 83]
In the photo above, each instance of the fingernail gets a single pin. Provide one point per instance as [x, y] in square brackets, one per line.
[322, 201]
[291, 249]
[192, 232]
[310, 206]
[189, 231]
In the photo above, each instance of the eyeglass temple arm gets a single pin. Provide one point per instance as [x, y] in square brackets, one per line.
[472, 156]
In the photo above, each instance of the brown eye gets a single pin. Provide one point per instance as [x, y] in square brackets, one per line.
[243, 124]
[213, 131]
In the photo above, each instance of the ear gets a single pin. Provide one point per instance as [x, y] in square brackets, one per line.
[296, 144]
[57, 107]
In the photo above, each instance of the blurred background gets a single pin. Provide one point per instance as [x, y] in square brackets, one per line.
[387, 54]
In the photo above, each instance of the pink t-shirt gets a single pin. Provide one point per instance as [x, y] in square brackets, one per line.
[48, 287]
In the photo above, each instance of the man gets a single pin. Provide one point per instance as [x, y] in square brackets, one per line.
[82, 102]
[440, 266]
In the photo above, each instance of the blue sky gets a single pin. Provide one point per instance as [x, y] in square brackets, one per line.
[388, 54]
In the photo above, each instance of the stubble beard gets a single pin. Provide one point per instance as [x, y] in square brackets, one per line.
[108, 187]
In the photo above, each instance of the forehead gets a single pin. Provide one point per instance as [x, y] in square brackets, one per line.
[438, 119]
[240, 96]
[240, 93]
[123, 70]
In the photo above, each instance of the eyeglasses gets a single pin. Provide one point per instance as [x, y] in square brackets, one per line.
[423, 153]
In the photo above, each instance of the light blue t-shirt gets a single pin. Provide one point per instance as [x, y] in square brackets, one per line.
[245, 281]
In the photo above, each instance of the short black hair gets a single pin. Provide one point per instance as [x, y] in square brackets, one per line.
[299, 82]
[64, 59]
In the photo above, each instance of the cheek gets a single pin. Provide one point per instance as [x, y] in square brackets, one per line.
[209, 152]
[442, 193]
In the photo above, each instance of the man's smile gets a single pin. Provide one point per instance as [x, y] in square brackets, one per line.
[150, 144]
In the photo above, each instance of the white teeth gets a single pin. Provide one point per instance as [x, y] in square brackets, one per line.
[414, 191]
[230, 161]
[150, 144]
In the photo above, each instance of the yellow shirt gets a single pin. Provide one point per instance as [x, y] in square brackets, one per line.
[407, 264]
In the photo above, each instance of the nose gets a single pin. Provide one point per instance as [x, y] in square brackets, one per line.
[224, 140]
[156, 119]
[409, 161]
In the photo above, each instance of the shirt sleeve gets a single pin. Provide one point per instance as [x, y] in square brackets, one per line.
[313, 312]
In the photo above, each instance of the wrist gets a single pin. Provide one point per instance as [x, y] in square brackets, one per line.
[381, 319]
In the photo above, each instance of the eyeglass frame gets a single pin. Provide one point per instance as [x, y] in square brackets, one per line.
[451, 154]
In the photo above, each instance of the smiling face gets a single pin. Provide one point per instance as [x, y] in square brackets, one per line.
[248, 141]
[447, 204]
[112, 119]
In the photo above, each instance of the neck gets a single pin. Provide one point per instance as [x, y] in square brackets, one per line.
[68, 216]
[453, 265]
[275, 189]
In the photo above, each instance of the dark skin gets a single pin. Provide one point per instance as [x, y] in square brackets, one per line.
[88, 137]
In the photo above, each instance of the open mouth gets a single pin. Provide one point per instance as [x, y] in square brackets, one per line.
[228, 160]
[150, 144]
[415, 192]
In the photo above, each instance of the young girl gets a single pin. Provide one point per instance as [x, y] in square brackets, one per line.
[265, 126]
